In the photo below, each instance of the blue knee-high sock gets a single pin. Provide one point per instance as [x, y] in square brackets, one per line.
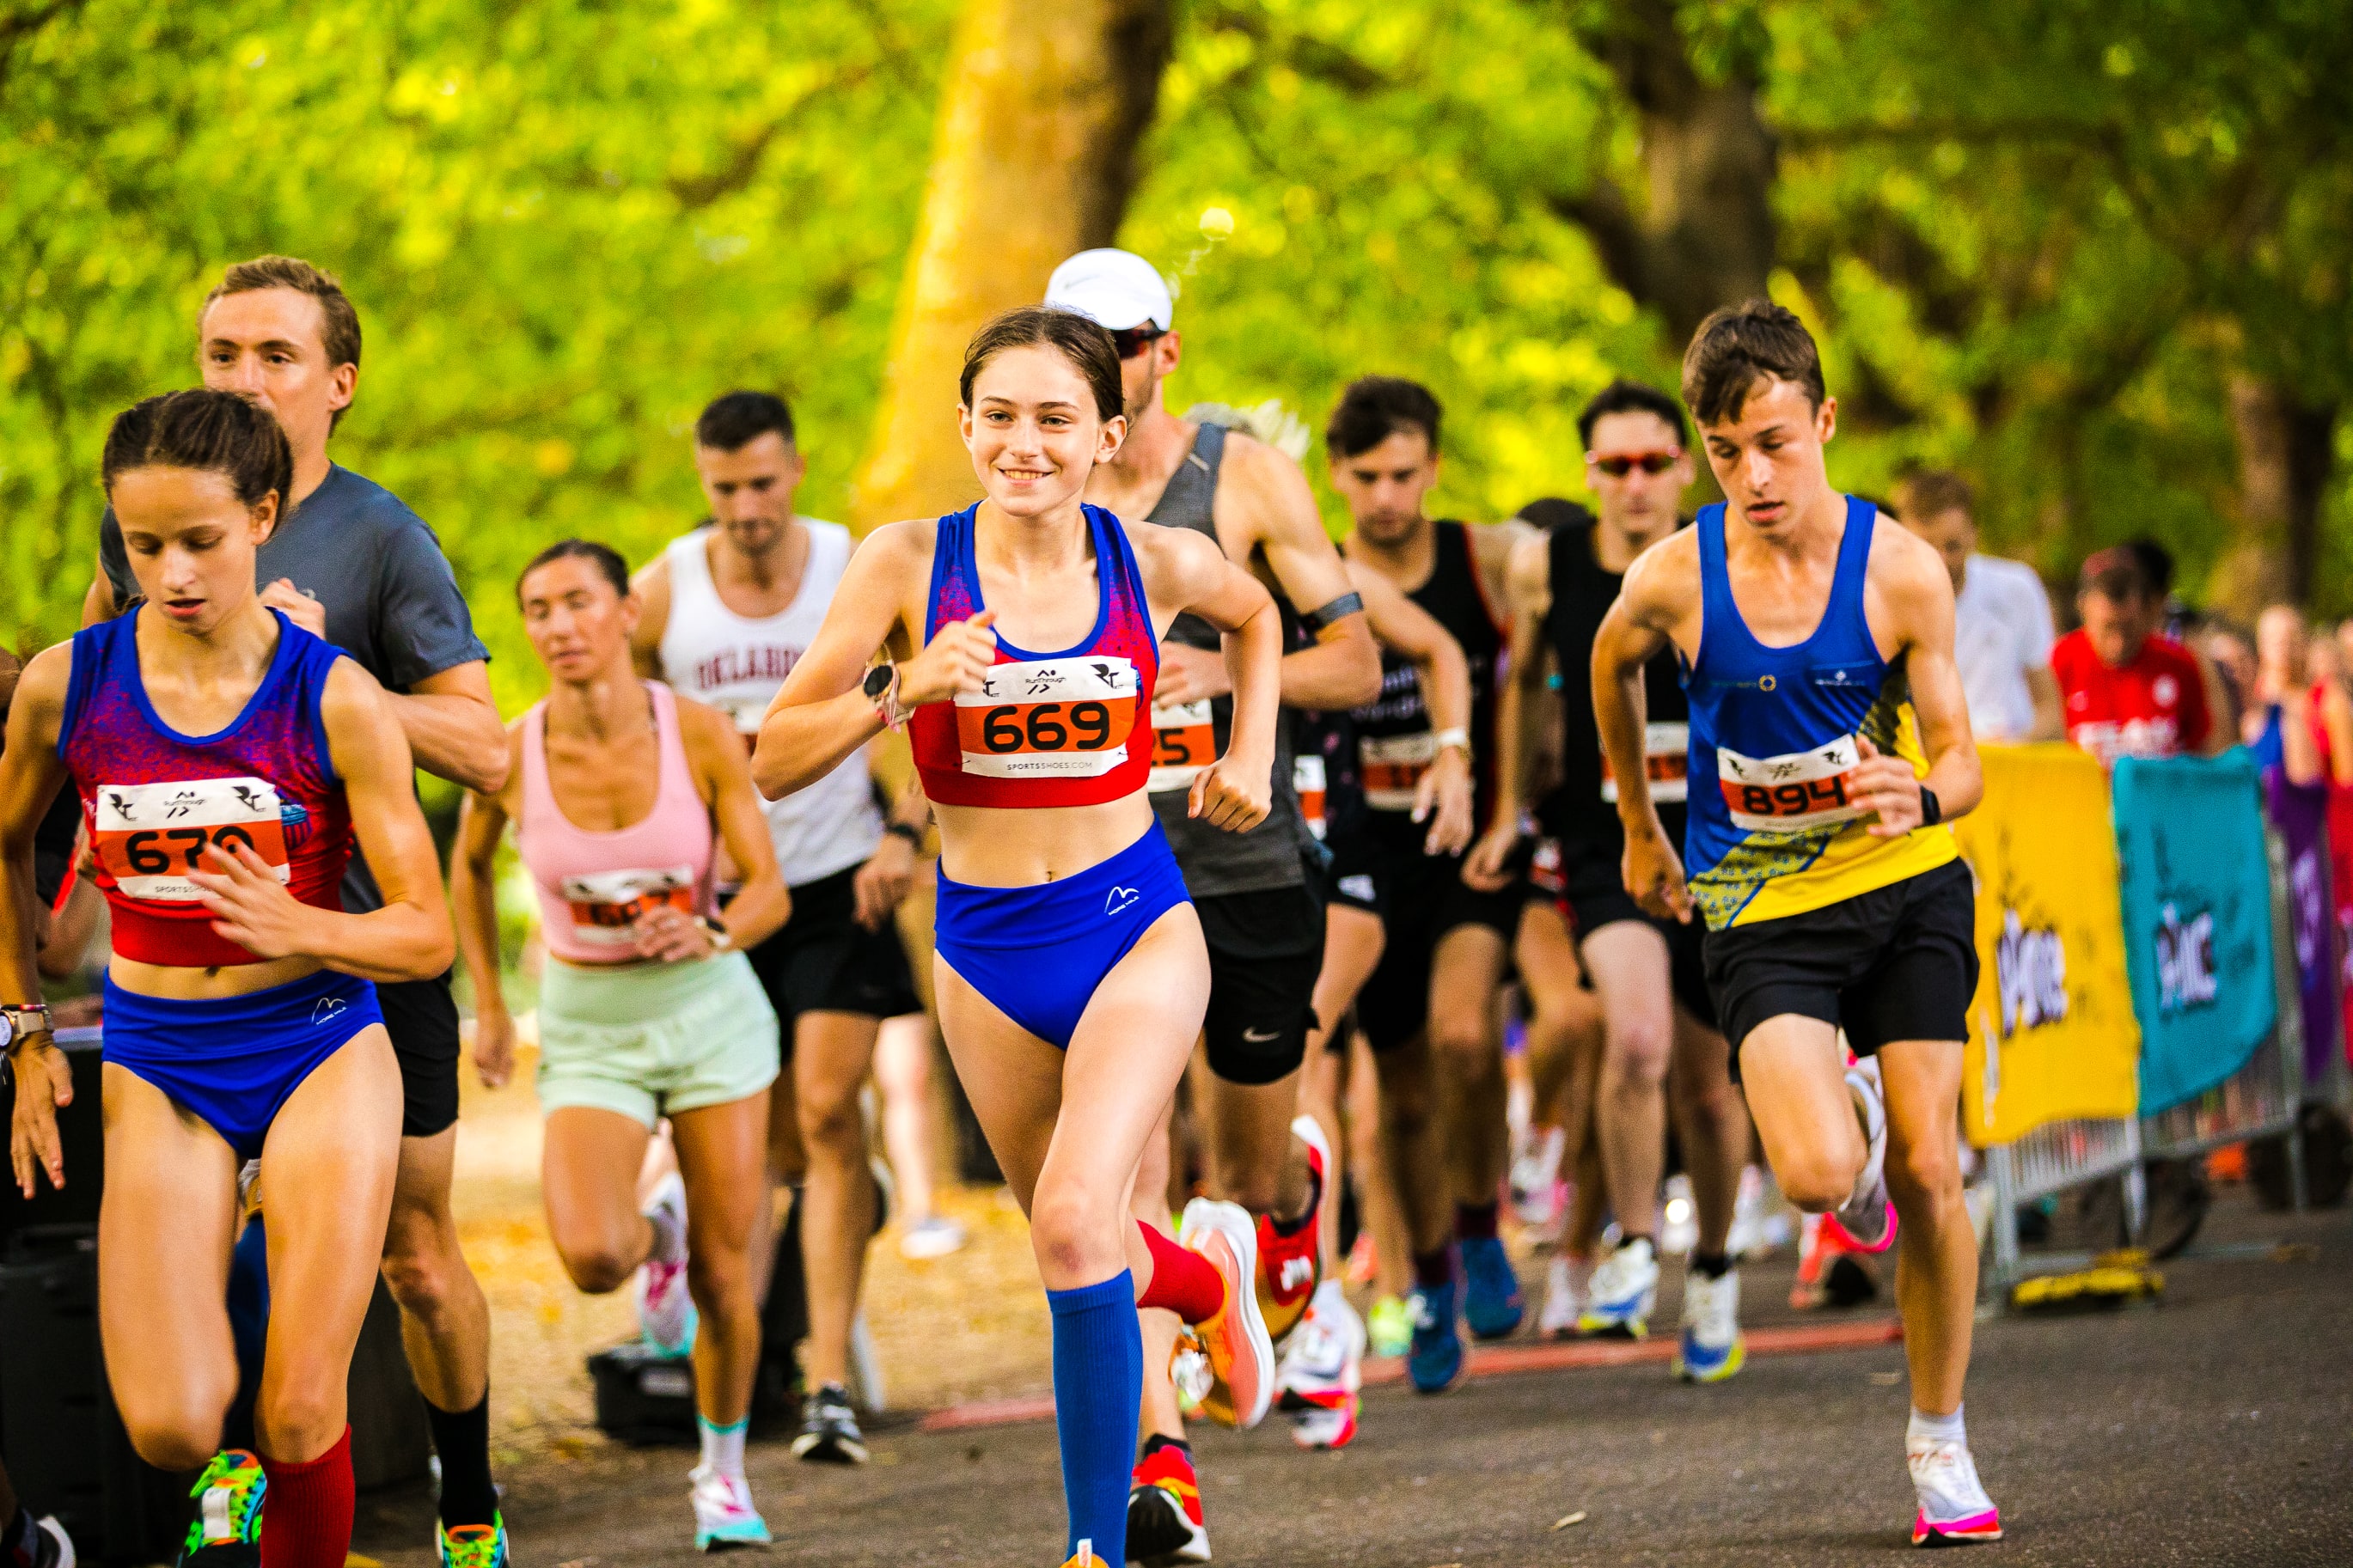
[1098, 1396]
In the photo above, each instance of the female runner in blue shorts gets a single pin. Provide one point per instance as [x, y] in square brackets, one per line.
[1070, 968]
[226, 759]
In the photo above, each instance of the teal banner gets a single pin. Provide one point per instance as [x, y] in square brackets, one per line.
[2196, 886]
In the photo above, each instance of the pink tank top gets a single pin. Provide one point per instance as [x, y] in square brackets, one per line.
[593, 885]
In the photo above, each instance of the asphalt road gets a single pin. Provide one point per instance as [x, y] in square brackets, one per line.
[2216, 1429]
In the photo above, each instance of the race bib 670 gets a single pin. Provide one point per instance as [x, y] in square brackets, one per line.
[149, 837]
[1057, 718]
[1791, 792]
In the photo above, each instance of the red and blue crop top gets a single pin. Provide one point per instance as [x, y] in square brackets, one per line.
[153, 798]
[1060, 729]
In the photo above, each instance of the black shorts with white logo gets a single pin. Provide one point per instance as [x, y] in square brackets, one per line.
[1898, 963]
[1266, 949]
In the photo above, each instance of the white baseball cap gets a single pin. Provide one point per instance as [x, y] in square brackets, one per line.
[1116, 289]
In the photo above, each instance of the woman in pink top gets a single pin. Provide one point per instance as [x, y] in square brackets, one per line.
[648, 1008]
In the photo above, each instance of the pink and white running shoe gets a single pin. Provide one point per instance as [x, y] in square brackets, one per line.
[1954, 1507]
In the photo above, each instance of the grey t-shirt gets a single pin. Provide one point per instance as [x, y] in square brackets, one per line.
[392, 601]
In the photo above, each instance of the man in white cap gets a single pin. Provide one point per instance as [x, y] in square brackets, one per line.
[1257, 892]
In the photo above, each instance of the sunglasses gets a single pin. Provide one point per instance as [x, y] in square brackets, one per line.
[1618, 465]
[1133, 341]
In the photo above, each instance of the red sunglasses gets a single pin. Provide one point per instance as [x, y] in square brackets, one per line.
[1133, 341]
[1618, 465]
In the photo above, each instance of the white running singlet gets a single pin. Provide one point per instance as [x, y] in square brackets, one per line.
[735, 664]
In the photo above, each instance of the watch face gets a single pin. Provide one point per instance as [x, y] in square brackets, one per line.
[7, 1030]
[878, 680]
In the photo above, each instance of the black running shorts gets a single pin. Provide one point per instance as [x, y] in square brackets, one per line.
[1898, 963]
[1266, 949]
[1423, 898]
[823, 961]
[422, 1020]
[1594, 893]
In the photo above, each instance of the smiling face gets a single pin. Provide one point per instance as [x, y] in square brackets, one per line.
[1768, 457]
[1033, 431]
[751, 490]
[190, 542]
[268, 346]
[1385, 485]
[579, 624]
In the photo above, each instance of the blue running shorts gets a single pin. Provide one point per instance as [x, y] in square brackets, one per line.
[1039, 953]
[234, 1060]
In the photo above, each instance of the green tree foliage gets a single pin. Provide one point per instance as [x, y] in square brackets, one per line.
[566, 227]
[2048, 243]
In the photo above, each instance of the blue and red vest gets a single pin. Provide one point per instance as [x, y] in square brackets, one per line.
[153, 798]
[1047, 729]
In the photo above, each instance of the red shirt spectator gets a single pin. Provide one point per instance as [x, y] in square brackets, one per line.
[2154, 706]
[2125, 691]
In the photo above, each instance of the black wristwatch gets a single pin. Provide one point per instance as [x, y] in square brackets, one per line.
[877, 681]
[1931, 813]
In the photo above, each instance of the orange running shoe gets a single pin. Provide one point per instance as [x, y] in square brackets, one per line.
[1234, 1340]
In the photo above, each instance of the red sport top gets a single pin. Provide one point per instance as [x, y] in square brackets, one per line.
[2153, 707]
[1059, 729]
[153, 798]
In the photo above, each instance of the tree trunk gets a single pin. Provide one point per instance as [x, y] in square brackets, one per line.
[2285, 449]
[1042, 106]
[1700, 234]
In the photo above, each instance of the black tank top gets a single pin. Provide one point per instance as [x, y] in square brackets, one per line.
[1188, 738]
[1395, 742]
[1583, 810]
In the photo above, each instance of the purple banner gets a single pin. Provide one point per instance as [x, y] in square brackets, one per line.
[2300, 812]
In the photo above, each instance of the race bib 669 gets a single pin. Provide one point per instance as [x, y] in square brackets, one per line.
[1791, 792]
[1055, 718]
[149, 837]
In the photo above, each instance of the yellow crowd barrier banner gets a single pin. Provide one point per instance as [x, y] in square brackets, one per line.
[2052, 1032]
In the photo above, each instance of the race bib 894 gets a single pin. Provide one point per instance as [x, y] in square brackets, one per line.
[1059, 718]
[1791, 792]
[149, 837]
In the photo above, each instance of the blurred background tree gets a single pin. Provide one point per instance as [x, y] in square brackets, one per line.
[2094, 254]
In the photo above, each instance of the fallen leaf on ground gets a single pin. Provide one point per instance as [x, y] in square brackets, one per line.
[1579, 1517]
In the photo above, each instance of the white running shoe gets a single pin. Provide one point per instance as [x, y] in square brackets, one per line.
[664, 1311]
[1322, 1370]
[1866, 1213]
[1566, 1279]
[934, 1236]
[724, 1514]
[1710, 1348]
[1954, 1507]
[1535, 1177]
[1623, 1290]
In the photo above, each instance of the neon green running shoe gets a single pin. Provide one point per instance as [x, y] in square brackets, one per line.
[228, 1502]
[474, 1545]
[1389, 1326]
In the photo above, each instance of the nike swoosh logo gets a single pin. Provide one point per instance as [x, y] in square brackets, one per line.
[1254, 1038]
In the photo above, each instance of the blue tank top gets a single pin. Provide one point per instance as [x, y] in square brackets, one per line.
[1774, 738]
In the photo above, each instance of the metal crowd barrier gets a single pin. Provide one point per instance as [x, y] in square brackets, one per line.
[2260, 1100]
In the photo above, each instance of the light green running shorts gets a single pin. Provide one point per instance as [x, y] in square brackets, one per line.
[647, 1040]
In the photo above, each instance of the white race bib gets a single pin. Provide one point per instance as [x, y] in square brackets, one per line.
[1666, 754]
[1391, 767]
[1792, 792]
[1307, 783]
[1184, 741]
[150, 837]
[1049, 719]
[607, 904]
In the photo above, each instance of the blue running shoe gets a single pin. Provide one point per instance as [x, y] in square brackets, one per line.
[1492, 1304]
[1434, 1359]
